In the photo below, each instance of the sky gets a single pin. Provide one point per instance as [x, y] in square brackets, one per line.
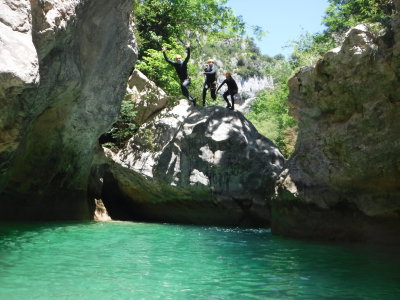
[284, 20]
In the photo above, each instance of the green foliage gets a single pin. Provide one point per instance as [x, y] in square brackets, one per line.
[308, 48]
[154, 66]
[279, 69]
[340, 16]
[270, 116]
[148, 139]
[343, 14]
[162, 21]
[237, 55]
[124, 128]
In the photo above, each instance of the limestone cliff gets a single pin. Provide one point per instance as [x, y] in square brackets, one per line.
[343, 180]
[63, 70]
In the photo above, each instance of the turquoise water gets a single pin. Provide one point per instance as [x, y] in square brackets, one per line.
[123, 260]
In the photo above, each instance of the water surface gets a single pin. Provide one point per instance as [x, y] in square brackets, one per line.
[123, 260]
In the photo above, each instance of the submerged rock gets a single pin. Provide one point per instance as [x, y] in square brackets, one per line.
[63, 69]
[343, 180]
[205, 165]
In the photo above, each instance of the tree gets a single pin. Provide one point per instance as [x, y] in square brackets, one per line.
[340, 16]
[343, 14]
[169, 21]
[270, 116]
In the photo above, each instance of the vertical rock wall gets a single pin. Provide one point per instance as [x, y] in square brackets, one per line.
[343, 180]
[64, 74]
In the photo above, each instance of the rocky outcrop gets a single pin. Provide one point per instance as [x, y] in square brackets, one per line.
[147, 98]
[203, 166]
[343, 180]
[64, 67]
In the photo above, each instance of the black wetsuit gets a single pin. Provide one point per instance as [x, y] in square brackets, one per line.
[181, 70]
[232, 90]
[210, 82]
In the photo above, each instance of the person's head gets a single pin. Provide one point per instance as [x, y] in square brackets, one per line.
[228, 74]
[178, 58]
[210, 61]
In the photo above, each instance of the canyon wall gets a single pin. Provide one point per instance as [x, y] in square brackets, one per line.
[343, 180]
[63, 73]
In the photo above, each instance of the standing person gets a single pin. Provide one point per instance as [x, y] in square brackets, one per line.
[181, 69]
[232, 90]
[211, 80]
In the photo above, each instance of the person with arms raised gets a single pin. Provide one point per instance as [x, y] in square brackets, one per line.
[181, 70]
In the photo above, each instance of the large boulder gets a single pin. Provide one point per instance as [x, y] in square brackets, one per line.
[343, 180]
[63, 69]
[204, 165]
[147, 98]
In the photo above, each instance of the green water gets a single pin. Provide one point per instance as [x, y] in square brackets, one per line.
[122, 260]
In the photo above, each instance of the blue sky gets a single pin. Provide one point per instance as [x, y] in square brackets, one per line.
[284, 20]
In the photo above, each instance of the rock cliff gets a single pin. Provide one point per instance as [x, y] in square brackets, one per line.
[64, 67]
[203, 166]
[343, 180]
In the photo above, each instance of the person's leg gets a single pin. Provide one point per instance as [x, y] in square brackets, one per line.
[185, 90]
[225, 95]
[205, 88]
[233, 93]
[213, 89]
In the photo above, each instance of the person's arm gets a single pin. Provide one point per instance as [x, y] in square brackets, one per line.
[164, 49]
[223, 82]
[187, 53]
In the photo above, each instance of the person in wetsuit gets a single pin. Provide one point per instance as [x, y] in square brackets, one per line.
[232, 90]
[211, 80]
[181, 69]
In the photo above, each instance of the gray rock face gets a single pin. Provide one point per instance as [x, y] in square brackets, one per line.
[210, 157]
[147, 98]
[19, 64]
[19, 69]
[343, 180]
[63, 73]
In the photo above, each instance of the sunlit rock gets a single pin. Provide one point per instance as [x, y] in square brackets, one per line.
[148, 99]
[211, 162]
[100, 213]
